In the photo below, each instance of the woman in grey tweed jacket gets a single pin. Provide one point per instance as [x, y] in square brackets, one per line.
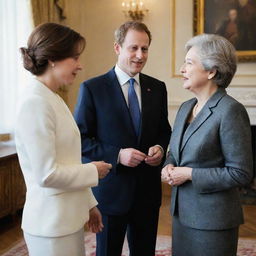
[210, 153]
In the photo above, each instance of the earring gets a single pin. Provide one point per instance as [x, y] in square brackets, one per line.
[53, 65]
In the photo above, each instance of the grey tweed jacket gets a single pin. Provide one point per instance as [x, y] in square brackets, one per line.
[217, 145]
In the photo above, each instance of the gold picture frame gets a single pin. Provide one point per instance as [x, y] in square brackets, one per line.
[212, 16]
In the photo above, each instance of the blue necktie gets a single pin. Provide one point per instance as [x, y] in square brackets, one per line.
[134, 106]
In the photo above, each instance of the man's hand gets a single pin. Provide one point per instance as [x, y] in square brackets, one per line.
[155, 155]
[131, 157]
[95, 221]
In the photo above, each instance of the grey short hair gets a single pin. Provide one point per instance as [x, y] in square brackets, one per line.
[215, 53]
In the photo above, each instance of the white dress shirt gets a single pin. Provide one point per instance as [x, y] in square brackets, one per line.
[123, 80]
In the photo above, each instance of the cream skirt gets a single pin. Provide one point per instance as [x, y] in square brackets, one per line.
[72, 244]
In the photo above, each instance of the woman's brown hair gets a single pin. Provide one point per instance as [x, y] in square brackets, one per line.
[50, 41]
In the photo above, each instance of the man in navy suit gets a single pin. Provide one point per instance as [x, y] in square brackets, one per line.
[123, 119]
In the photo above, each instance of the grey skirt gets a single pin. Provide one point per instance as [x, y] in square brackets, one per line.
[188, 241]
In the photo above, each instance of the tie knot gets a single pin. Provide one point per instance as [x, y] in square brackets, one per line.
[131, 81]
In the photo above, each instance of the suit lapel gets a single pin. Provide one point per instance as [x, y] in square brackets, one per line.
[56, 99]
[115, 91]
[72, 120]
[146, 99]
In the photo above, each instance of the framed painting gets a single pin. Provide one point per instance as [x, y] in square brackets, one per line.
[233, 19]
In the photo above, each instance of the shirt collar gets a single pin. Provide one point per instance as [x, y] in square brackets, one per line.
[123, 77]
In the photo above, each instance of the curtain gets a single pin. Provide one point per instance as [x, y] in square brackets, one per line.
[15, 27]
[17, 18]
[48, 11]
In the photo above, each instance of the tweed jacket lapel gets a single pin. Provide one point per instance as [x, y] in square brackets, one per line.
[180, 122]
[203, 115]
[195, 125]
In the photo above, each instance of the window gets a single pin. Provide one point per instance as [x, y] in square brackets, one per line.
[15, 26]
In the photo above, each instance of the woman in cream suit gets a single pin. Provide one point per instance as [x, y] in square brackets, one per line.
[59, 200]
[210, 153]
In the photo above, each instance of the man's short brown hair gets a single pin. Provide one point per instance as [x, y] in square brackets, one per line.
[121, 32]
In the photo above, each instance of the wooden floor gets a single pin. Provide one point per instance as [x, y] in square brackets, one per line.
[10, 231]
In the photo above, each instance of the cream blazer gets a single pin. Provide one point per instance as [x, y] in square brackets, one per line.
[48, 144]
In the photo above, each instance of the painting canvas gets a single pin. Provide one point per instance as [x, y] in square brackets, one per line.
[233, 19]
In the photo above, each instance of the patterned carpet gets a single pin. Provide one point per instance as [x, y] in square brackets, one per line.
[246, 247]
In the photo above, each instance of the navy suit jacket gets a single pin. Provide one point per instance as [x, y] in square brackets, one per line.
[217, 145]
[103, 118]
